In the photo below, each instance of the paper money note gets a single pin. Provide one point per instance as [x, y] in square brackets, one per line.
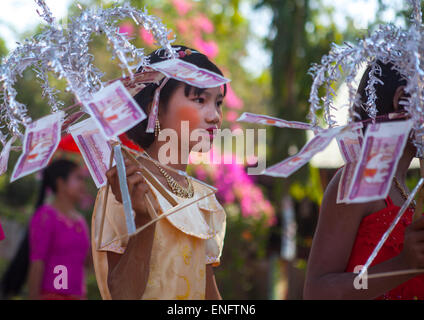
[4, 156]
[294, 163]
[189, 73]
[139, 81]
[114, 109]
[350, 144]
[40, 142]
[94, 148]
[382, 149]
[271, 121]
[71, 119]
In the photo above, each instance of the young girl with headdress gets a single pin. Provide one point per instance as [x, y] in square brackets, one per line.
[172, 258]
[347, 234]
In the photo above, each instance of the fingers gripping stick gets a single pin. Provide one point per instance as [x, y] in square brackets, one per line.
[150, 197]
[150, 206]
[149, 177]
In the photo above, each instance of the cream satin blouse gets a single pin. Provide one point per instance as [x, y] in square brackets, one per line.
[184, 243]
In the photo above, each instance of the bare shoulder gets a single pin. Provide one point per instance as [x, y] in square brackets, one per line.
[336, 232]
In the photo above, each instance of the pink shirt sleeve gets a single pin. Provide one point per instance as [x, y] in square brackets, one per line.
[1, 233]
[40, 233]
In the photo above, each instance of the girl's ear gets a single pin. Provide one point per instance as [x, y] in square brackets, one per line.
[399, 94]
[60, 183]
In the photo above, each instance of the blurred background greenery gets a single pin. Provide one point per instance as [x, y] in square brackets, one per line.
[297, 34]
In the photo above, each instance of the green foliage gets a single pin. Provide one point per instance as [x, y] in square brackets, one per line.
[403, 13]
[412, 179]
[93, 292]
[312, 189]
[3, 48]
[299, 38]
[240, 275]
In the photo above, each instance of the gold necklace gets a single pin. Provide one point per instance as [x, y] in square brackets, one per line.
[403, 193]
[176, 188]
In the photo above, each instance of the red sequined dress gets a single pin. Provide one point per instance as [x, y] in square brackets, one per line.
[370, 231]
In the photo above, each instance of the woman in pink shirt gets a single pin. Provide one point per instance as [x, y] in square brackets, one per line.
[1, 233]
[58, 236]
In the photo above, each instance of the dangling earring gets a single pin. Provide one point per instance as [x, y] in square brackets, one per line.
[157, 127]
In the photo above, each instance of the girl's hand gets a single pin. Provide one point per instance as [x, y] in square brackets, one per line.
[137, 188]
[413, 246]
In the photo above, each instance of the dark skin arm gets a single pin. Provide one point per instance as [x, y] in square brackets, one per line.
[35, 277]
[128, 273]
[212, 292]
[332, 245]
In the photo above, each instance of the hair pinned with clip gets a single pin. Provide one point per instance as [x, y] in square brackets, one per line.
[145, 97]
[186, 52]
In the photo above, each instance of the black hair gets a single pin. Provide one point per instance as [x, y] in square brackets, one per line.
[144, 98]
[57, 169]
[385, 92]
[17, 271]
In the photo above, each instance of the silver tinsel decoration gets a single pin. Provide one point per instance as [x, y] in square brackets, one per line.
[387, 43]
[64, 53]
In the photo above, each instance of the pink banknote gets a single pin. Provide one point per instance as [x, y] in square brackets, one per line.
[139, 81]
[294, 163]
[189, 73]
[40, 142]
[4, 156]
[94, 148]
[271, 121]
[350, 144]
[114, 109]
[72, 118]
[382, 149]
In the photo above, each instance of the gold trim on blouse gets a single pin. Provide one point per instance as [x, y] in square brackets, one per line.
[184, 242]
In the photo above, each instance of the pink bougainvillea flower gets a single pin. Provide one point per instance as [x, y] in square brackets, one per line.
[147, 37]
[127, 28]
[203, 22]
[209, 48]
[200, 173]
[183, 27]
[236, 186]
[232, 100]
[231, 116]
[182, 6]
[236, 126]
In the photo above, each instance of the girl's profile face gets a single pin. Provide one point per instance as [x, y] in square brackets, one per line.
[195, 116]
[74, 185]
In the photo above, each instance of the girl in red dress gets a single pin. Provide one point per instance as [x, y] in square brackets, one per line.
[347, 233]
